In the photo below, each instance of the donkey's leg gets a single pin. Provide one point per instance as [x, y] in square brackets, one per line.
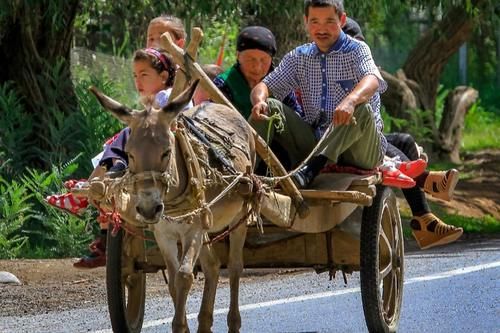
[167, 242]
[192, 242]
[210, 265]
[235, 267]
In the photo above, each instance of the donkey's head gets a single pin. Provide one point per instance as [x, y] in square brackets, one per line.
[150, 149]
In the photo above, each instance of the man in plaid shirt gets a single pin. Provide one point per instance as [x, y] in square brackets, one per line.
[338, 80]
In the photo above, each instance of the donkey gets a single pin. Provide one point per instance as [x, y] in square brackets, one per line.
[153, 147]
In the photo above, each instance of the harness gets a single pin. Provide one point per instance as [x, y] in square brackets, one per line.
[206, 166]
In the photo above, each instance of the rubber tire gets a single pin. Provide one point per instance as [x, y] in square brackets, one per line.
[126, 311]
[384, 207]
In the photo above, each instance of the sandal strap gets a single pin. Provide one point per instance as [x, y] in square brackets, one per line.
[440, 228]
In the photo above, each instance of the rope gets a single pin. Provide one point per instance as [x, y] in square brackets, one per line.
[228, 230]
[206, 205]
[274, 180]
[255, 203]
[113, 218]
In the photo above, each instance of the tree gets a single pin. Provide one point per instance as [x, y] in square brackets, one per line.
[35, 41]
[415, 86]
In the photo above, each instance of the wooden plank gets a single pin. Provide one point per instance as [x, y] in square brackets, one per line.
[181, 77]
[345, 249]
[368, 180]
[323, 217]
[340, 196]
[306, 250]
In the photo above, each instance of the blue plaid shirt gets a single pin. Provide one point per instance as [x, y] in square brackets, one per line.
[325, 79]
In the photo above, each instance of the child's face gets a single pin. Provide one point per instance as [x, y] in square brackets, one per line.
[155, 30]
[147, 80]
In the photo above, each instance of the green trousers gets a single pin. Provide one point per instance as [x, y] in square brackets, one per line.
[357, 145]
[296, 136]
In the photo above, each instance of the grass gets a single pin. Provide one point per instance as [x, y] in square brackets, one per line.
[481, 130]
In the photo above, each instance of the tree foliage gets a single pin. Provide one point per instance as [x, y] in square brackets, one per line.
[35, 41]
[418, 36]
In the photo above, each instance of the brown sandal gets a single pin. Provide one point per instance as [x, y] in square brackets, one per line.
[430, 231]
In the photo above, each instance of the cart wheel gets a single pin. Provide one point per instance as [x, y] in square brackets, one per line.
[126, 287]
[382, 262]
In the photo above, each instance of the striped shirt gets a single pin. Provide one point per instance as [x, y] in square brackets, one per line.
[325, 79]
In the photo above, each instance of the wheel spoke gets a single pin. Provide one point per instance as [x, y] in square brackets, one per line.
[396, 287]
[386, 243]
[388, 293]
[385, 238]
[386, 271]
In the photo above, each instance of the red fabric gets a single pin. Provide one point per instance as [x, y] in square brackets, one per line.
[71, 205]
[112, 139]
[335, 168]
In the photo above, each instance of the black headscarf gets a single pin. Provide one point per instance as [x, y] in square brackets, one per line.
[256, 37]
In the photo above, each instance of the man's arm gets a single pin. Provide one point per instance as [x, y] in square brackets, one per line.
[361, 93]
[258, 96]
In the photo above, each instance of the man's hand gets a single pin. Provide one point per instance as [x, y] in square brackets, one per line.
[259, 111]
[361, 93]
[343, 113]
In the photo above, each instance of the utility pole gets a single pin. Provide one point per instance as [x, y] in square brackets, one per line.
[462, 64]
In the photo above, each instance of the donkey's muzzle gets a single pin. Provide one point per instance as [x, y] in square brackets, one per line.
[150, 215]
[149, 207]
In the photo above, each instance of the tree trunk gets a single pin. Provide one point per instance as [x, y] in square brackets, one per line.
[415, 86]
[457, 104]
[426, 61]
[35, 42]
[399, 99]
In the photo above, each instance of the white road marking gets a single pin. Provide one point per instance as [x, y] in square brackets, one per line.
[437, 276]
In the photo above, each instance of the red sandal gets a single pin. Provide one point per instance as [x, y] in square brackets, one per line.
[392, 176]
[68, 202]
[414, 168]
[97, 256]
[395, 178]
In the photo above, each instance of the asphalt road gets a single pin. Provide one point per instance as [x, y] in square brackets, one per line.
[453, 289]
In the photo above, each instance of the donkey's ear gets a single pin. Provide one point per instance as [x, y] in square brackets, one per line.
[118, 110]
[179, 102]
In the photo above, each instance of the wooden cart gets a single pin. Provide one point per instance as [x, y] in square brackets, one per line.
[353, 225]
[336, 236]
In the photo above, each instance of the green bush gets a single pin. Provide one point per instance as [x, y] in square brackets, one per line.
[15, 211]
[15, 125]
[30, 228]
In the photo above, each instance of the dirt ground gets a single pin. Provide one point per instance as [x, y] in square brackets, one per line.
[52, 285]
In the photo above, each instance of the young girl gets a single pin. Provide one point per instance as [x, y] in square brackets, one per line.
[77, 205]
[154, 73]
